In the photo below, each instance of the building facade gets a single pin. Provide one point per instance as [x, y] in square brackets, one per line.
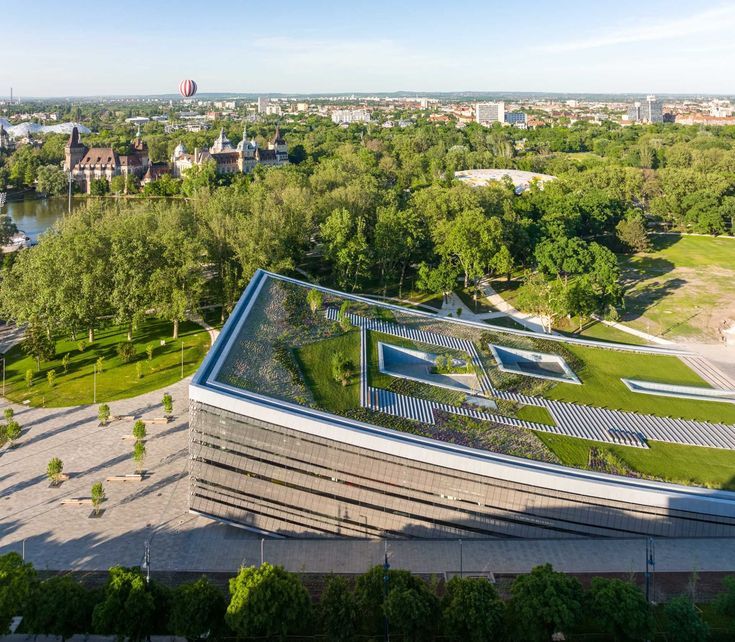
[649, 110]
[230, 159]
[272, 466]
[489, 113]
[346, 116]
[88, 164]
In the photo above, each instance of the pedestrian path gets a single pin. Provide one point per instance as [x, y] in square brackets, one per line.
[709, 372]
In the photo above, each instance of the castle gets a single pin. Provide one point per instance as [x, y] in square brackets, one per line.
[88, 164]
[230, 160]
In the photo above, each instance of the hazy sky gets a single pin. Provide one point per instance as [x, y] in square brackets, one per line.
[52, 48]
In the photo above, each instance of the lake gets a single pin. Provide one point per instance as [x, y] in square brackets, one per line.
[37, 215]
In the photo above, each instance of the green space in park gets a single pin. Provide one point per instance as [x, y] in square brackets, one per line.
[690, 465]
[601, 385]
[684, 288]
[117, 380]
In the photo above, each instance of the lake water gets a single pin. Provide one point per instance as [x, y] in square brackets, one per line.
[36, 216]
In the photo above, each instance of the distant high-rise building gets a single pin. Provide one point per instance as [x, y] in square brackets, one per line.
[263, 104]
[489, 113]
[649, 110]
[350, 116]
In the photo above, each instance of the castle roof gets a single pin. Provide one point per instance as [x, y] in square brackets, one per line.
[74, 138]
[277, 138]
[104, 156]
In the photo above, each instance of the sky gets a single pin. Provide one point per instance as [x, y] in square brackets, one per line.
[87, 48]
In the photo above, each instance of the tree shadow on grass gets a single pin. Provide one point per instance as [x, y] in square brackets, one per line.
[640, 300]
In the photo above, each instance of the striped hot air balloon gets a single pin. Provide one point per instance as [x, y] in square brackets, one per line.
[187, 88]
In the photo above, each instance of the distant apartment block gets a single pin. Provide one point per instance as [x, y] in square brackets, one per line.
[263, 103]
[340, 116]
[489, 113]
[515, 118]
[649, 110]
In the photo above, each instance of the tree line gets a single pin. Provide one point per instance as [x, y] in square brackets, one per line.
[269, 603]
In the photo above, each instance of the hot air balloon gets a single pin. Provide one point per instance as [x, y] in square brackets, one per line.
[187, 88]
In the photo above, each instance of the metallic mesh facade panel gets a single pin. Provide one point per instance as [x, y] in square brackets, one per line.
[276, 479]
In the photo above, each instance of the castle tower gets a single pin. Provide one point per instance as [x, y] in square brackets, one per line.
[280, 147]
[4, 138]
[74, 151]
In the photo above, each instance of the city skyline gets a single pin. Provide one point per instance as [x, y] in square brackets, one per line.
[664, 48]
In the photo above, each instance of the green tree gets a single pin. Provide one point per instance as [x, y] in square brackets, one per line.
[346, 246]
[314, 299]
[412, 612]
[65, 362]
[98, 496]
[60, 606]
[51, 180]
[684, 621]
[18, 584]
[342, 368]
[29, 377]
[502, 262]
[472, 611]
[54, 469]
[127, 607]
[103, 414]
[620, 608]
[38, 344]
[632, 234]
[338, 612]
[12, 431]
[139, 430]
[437, 280]
[8, 413]
[51, 378]
[168, 404]
[139, 454]
[99, 187]
[267, 601]
[544, 602]
[197, 610]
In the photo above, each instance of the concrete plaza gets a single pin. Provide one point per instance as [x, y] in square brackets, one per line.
[59, 537]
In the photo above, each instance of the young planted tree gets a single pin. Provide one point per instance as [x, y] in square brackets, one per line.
[65, 362]
[54, 470]
[149, 351]
[8, 413]
[127, 608]
[98, 496]
[29, 378]
[38, 344]
[314, 299]
[342, 368]
[139, 431]
[103, 414]
[139, 454]
[620, 608]
[13, 431]
[168, 404]
[51, 378]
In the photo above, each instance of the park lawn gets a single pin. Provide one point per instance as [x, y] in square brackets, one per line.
[690, 465]
[315, 361]
[683, 288]
[508, 290]
[600, 332]
[536, 414]
[479, 305]
[601, 385]
[117, 380]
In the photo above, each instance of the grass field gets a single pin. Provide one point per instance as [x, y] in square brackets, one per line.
[506, 322]
[535, 414]
[477, 306]
[691, 465]
[684, 288]
[117, 380]
[315, 361]
[601, 385]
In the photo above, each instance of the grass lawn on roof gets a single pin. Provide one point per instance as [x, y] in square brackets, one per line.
[601, 385]
[117, 380]
[315, 361]
[691, 465]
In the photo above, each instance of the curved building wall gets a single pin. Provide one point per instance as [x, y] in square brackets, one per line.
[292, 478]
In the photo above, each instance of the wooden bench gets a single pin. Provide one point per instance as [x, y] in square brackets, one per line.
[126, 478]
[122, 417]
[158, 420]
[77, 501]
